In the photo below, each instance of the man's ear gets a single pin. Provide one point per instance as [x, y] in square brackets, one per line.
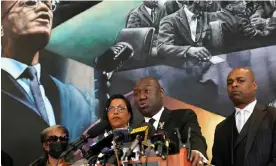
[229, 7]
[162, 92]
[255, 86]
[2, 31]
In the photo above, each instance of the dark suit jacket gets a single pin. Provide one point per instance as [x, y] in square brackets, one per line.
[21, 126]
[6, 159]
[260, 148]
[174, 36]
[140, 17]
[182, 119]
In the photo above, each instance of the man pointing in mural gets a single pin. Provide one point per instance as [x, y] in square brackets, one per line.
[32, 100]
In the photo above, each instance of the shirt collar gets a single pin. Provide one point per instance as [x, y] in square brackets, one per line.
[148, 9]
[189, 14]
[249, 108]
[16, 68]
[156, 117]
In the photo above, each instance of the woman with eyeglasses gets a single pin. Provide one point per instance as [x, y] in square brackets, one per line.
[54, 140]
[118, 112]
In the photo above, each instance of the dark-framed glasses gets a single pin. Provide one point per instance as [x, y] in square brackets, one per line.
[118, 108]
[54, 138]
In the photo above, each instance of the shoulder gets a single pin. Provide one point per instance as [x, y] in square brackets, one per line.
[64, 87]
[171, 17]
[70, 93]
[183, 113]
[271, 112]
[225, 123]
[137, 9]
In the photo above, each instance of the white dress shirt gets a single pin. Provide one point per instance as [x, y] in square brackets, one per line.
[15, 69]
[242, 115]
[148, 10]
[156, 117]
[192, 22]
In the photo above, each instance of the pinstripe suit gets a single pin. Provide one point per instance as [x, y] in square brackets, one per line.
[254, 146]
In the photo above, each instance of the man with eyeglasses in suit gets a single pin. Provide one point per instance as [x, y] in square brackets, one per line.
[32, 100]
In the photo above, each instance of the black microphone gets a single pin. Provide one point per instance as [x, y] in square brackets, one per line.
[93, 132]
[115, 57]
[187, 145]
[121, 135]
[133, 145]
[161, 143]
[145, 130]
[98, 146]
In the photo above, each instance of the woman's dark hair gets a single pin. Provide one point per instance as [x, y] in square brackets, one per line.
[128, 105]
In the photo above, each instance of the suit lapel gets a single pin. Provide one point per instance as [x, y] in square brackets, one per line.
[184, 26]
[257, 118]
[12, 88]
[164, 120]
[52, 93]
[146, 14]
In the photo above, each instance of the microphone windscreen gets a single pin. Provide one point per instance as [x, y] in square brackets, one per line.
[98, 129]
[115, 57]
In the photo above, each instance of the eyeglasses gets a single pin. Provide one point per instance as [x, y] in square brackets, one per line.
[54, 138]
[33, 4]
[119, 109]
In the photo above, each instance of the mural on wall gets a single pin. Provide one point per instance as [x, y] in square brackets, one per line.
[105, 47]
[190, 55]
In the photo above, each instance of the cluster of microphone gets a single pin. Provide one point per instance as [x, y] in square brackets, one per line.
[122, 144]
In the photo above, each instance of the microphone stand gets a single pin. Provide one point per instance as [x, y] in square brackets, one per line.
[188, 143]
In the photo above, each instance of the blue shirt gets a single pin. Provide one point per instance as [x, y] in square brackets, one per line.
[15, 69]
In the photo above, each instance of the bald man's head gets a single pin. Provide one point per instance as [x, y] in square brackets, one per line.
[241, 86]
[148, 96]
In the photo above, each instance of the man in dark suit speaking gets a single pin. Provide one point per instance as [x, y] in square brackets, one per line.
[31, 99]
[148, 96]
[248, 136]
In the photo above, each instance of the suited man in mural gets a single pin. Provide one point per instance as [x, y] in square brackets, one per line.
[174, 5]
[149, 14]
[148, 98]
[235, 25]
[183, 33]
[247, 137]
[32, 100]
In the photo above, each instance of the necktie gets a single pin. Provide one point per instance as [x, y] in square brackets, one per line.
[153, 14]
[34, 85]
[240, 120]
[151, 121]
